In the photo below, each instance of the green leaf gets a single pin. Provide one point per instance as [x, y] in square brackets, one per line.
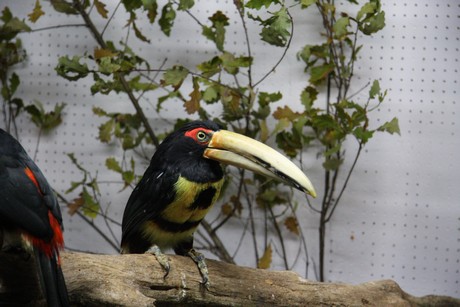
[210, 94]
[45, 120]
[211, 67]
[370, 17]
[13, 27]
[108, 66]
[99, 111]
[128, 177]
[332, 164]
[298, 125]
[373, 24]
[307, 3]
[333, 150]
[340, 27]
[71, 69]
[375, 89]
[320, 73]
[266, 98]
[185, 5]
[90, 207]
[63, 6]
[308, 97]
[139, 34]
[391, 127]
[136, 85]
[367, 9]
[257, 4]
[151, 6]
[363, 134]
[282, 124]
[36, 13]
[311, 53]
[112, 164]
[269, 197]
[73, 186]
[305, 54]
[216, 32]
[175, 76]
[105, 131]
[131, 5]
[276, 28]
[288, 143]
[6, 15]
[231, 64]
[14, 83]
[168, 15]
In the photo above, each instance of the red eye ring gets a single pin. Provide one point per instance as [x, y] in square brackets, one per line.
[200, 135]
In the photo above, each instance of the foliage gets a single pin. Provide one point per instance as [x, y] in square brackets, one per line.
[11, 53]
[225, 79]
[331, 64]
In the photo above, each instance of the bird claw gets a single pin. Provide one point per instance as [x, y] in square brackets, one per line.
[199, 259]
[205, 283]
[161, 258]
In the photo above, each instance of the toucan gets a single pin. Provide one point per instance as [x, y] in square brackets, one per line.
[183, 181]
[30, 218]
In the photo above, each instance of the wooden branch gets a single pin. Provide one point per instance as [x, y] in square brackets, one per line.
[137, 280]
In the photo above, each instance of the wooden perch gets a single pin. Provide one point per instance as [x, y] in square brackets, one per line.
[137, 280]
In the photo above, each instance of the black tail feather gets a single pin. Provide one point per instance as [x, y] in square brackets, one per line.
[52, 280]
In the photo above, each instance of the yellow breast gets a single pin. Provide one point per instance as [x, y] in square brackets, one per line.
[192, 202]
[179, 220]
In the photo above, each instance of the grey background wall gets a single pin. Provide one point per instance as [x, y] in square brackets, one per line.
[401, 216]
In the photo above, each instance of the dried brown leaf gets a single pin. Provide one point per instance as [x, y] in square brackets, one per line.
[292, 224]
[76, 204]
[266, 259]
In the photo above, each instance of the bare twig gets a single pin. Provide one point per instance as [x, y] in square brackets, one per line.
[223, 253]
[90, 223]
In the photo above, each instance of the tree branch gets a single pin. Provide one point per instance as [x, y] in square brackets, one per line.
[137, 280]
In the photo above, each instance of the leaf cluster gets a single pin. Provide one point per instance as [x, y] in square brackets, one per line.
[325, 116]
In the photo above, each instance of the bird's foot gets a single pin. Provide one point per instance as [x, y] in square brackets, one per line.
[162, 258]
[199, 259]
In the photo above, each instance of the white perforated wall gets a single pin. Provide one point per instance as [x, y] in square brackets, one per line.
[401, 216]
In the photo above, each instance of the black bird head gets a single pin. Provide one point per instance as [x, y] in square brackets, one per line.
[197, 140]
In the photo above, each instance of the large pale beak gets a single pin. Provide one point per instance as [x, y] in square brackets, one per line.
[241, 151]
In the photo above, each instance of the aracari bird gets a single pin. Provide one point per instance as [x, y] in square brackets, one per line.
[30, 217]
[183, 181]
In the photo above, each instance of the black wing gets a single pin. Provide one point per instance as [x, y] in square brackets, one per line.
[25, 195]
[151, 195]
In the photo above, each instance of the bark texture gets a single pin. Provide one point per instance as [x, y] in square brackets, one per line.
[137, 280]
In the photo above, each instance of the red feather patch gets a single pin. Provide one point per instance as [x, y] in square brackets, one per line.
[31, 176]
[56, 243]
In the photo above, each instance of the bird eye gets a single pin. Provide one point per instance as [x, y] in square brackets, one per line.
[201, 136]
